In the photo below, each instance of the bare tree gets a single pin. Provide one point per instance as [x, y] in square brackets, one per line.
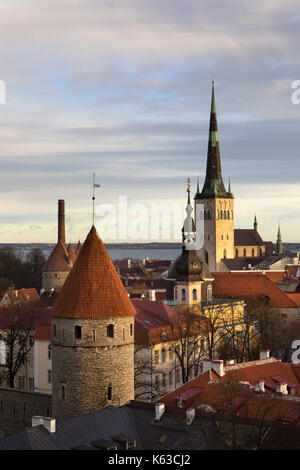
[17, 323]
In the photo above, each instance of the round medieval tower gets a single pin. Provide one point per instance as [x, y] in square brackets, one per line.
[92, 336]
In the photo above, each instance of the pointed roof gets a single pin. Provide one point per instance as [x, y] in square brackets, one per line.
[93, 288]
[213, 185]
[71, 254]
[58, 260]
[78, 248]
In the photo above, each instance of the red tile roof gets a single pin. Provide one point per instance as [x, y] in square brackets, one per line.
[29, 295]
[58, 260]
[295, 297]
[93, 288]
[275, 275]
[211, 390]
[250, 286]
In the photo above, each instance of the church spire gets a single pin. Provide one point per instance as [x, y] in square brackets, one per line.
[213, 185]
[255, 223]
[189, 228]
[279, 242]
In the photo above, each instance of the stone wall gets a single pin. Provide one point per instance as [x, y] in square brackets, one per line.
[54, 280]
[84, 368]
[17, 408]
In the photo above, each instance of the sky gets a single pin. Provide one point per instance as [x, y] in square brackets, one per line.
[122, 88]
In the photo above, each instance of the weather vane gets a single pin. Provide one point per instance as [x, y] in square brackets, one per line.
[95, 185]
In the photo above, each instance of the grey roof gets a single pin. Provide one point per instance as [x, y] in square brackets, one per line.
[247, 237]
[135, 420]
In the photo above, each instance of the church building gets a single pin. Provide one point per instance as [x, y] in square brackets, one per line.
[221, 241]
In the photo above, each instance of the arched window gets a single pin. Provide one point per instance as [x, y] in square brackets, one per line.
[227, 237]
[244, 251]
[224, 254]
[224, 214]
[221, 214]
[228, 215]
[175, 292]
[183, 294]
[222, 237]
[252, 252]
[194, 294]
[131, 329]
[209, 292]
[260, 252]
[236, 253]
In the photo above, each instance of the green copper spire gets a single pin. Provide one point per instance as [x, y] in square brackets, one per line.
[213, 185]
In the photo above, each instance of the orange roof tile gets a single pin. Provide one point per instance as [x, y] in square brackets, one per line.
[250, 286]
[295, 297]
[93, 288]
[58, 260]
[275, 275]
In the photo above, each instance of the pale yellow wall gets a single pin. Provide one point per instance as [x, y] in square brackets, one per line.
[41, 366]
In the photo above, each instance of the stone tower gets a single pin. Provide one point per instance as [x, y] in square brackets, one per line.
[217, 203]
[59, 264]
[189, 278]
[92, 336]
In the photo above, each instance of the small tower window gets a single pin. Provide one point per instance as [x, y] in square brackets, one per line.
[206, 257]
[63, 392]
[94, 335]
[110, 331]
[77, 332]
[109, 392]
[183, 294]
[194, 294]
[131, 329]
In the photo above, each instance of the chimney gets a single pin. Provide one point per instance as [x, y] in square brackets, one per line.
[152, 295]
[61, 221]
[264, 354]
[159, 410]
[260, 386]
[215, 364]
[190, 416]
[230, 362]
[282, 388]
[48, 423]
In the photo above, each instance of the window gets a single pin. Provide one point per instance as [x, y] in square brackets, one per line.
[228, 215]
[244, 251]
[164, 380]
[163, 355]
[54, 331]
[183, 294]
[260, 252]
[63, 392]
[170, 378]
[156, 357]
[206, 257]
[224, 254]
[123, 333]
[131, 329]
[31, 383]
[49, 351]
[252, 252]
[110, 331]
[236, 253]
[194, 294]
[109, 392]
[224, 214]
[221, 237]
[77, 332]
[208, 237]
[227, 236]
[94, 335]
[49, 377]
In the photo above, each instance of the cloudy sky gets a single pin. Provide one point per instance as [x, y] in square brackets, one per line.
[122, 88]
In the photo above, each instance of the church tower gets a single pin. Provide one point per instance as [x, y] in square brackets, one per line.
[92, 336]
[217, 203]
[279, 242]
[189, 279]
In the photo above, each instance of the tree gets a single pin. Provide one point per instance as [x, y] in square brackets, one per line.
[17, 323]
[144, 370]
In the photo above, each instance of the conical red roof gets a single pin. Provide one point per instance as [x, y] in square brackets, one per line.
[93, 288]
[78, 248]
[58, 260]
[71, 254]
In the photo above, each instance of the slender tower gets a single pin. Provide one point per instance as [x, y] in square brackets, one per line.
[279, 242]
[255, 223]
[218, 204]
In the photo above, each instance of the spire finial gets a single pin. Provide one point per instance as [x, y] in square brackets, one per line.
[93, 197]
[189, 189]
